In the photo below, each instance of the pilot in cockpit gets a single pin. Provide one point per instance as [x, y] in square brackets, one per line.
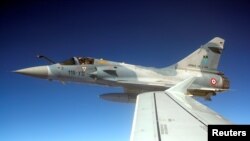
[84, 61]
[81, 60]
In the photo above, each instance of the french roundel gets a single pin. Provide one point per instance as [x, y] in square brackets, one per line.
[213, 81]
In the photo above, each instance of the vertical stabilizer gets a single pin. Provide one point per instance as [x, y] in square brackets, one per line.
[207, 57]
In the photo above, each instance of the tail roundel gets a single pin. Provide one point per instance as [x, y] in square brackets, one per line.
[206, 58]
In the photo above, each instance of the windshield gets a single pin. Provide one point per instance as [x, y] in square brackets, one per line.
[70, 61]
[78, 61]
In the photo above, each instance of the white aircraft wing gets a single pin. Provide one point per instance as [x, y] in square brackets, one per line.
[172, 116]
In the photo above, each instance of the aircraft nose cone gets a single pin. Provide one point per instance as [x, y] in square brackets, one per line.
[40, 71]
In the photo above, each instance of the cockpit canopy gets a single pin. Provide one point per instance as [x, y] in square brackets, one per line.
[78, 61]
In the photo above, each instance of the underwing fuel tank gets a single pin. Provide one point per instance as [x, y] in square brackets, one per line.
[119, 97]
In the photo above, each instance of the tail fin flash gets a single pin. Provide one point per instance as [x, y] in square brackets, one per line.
[205, 58]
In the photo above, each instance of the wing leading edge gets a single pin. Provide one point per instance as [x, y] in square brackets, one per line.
[171, 115]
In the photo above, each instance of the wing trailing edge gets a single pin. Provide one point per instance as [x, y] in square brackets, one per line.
[172, 115]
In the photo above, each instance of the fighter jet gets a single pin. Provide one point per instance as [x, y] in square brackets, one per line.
[135, 79]
[160, 94]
